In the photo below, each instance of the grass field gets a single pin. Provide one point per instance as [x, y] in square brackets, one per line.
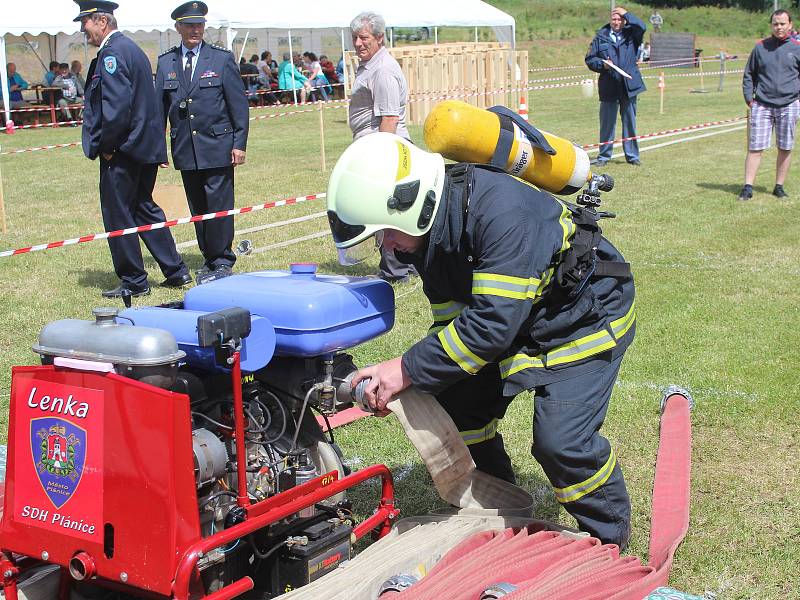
[717, 284]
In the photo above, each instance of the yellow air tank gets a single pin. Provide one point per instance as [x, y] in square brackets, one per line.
[465, 133]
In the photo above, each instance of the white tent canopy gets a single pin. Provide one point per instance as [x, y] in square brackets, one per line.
[54, 18]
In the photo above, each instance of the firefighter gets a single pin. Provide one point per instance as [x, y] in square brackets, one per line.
[525, 295]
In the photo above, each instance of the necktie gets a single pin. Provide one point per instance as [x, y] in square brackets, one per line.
[187, 71]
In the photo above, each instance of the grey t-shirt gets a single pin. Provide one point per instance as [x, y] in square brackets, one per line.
[379, 89]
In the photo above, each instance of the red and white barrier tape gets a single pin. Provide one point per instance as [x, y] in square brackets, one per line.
[657, 64]
[697, 74]
[165, 224]
[44, 108]
[40, 148]
[41, 125]
[665, 132]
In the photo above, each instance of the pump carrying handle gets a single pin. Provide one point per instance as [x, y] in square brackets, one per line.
[508, 118]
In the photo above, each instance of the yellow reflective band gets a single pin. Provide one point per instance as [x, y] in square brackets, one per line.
[621, 326]
[447, 311]
[507, 286]
[458, 352]
[588, 345]
[581, 348]
[484, 434]
[567, 226]
[579, 490]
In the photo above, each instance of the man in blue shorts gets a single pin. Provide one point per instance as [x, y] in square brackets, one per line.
[771, 86]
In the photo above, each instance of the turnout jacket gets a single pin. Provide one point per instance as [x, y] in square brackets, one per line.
[120, 103]
[209, 115]
[612, 85]
[489, 275]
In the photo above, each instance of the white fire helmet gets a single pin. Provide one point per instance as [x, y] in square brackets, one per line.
[381, 181]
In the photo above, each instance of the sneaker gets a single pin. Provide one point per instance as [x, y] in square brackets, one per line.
[600, 162]
[219, 272]
[635, 162]
[746, 193]
[779, 192]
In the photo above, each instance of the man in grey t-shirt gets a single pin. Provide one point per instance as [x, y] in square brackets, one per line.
[378, 103]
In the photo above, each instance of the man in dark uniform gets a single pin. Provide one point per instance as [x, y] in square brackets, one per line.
[200, 90]
[118, 126]
[525, 295]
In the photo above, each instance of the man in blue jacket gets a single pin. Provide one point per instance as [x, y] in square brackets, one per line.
[617, 45]
[525, 295]
[118, 126]
[200, 91]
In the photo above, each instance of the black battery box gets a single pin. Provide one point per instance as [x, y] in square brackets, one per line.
[328, 546]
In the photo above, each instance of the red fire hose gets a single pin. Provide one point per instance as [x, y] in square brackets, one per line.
[533, 563]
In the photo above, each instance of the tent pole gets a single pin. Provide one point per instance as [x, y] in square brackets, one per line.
[391, 37]
[476, 35]
[2, 206]
[436, 35]
[291, 58]
[344, 70]
[241, 52]
[4, 82]
[36, 54]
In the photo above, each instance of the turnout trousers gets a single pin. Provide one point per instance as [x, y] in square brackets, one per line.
[126, 200]
[579, 462]
[211, 190]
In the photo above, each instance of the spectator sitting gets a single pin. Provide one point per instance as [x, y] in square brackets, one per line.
[249, 72]
[50, 76]
[316, 77]
[15, 86]
[76, 67]
[328, 69]
[290, 78]
[72, 90]
[340, 69]
[266, 71]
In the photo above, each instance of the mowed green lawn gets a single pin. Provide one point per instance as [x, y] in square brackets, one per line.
[718, 299]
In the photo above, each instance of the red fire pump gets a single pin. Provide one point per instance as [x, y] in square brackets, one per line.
[172, 451]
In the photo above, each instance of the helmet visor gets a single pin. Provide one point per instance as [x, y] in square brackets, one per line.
[343, 232]
[361, 251]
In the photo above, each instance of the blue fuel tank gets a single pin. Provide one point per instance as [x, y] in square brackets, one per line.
[313, 314]
[257, 348]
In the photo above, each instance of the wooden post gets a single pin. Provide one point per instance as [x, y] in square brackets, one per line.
[2, 206]
[661, 93]
[322, 137]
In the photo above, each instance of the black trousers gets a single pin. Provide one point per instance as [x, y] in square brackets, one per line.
[211, 190]
[578, 461]
[126, 200]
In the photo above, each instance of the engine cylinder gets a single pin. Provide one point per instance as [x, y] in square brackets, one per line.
[210, 456]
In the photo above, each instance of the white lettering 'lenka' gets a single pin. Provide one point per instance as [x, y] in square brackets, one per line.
[65, 521]
[54, 404]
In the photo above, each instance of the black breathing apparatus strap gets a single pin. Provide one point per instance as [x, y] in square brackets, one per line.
[579, 264]
[508, 118]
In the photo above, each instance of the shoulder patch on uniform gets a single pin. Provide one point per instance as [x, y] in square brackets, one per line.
[219, 47]
[110, 63]
[168, 51]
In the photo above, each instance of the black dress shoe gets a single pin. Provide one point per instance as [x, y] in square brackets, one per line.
[122, 290]
[177, 281]
[205, 275]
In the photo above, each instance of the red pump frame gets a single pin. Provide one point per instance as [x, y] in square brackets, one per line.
[259, 515]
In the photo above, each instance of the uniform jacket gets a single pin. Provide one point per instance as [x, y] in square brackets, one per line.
[215, 119]
[612, 85]
[489, 278]
[772, 73]
[120, 103]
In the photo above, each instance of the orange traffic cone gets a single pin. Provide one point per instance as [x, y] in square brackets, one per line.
[523, 108]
